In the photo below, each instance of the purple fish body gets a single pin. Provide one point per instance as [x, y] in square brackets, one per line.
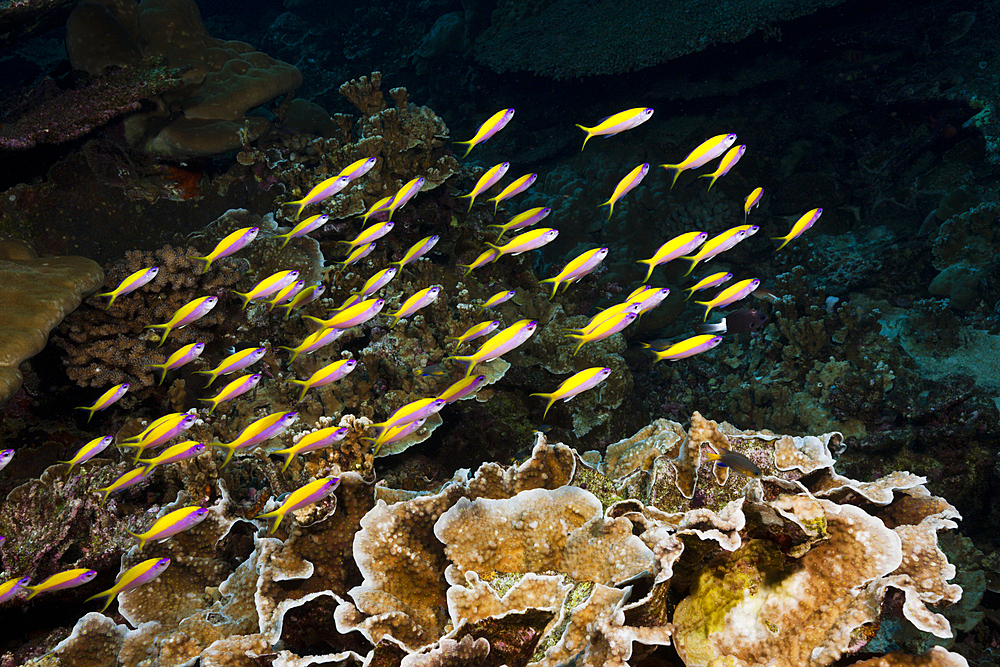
[314, 497]
[10, 588]
[653, 299]
[406, 193]
[240, 364]
[404, 431]
[462, 388]
[500, 124]
[148, 575]
[332, 189]
[320, 439]
[189, 518]
[198, 312]
[107, 399]
[363, 316]
[528, 182]
[160, 436]
[5, 456]
[193, 450]
[237, 387]
[240, 243]
[592, 263]
[273, 430]
[365, 167]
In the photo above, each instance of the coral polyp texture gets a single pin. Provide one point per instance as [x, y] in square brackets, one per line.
[597, 563]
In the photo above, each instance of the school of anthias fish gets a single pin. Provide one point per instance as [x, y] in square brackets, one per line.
[288, 293]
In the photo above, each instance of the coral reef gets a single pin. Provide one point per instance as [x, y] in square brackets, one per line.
[407, 139]
[51, 115]
[105, 346]
[35, 295]
[222, 80]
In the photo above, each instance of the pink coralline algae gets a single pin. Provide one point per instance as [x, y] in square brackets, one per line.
[52, 116]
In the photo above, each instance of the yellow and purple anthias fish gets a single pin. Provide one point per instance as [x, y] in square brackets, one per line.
[575, 384]
[672, 249]
[320, 439]
[493, 124]
[259, 431]
[461, 388]
[619, 122]
[417, 250]
[420, 299]
[107, 399]
[523, 219]
[800, 227]
[328, 374]
[728, 161]
[230, 244]
[405, 194]
[89, 451]
[268, 286]
[499, 345]
[135, 576]
[576, 268]
[486, 181]
[181, 357]
[703, 154]
[503, 296]
[630, 181]
[172, 523]
[131, 283]
[185, 315]
[307, 495]
[514, 189]
[688, 347]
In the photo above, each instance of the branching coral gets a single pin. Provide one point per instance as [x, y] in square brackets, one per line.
[407, 139]
[106, 346]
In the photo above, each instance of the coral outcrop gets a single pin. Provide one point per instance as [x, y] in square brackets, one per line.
[222, 80]
[36, 293]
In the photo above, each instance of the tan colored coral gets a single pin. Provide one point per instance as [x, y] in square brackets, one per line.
[451, 652]
[541, 530]
[403, 593]
[788, 617]
[477, 598]
[364, 93]
[94, 642]
[195, 566]
[35, 295]
[548, 467]
[627, 456]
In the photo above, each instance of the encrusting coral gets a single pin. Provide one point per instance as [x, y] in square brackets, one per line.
[786, 569]
[35, 295]
[222, 80]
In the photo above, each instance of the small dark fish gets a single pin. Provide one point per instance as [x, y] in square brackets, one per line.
[727, 458]
[658, 345]
[437, 370]
[739, 321]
